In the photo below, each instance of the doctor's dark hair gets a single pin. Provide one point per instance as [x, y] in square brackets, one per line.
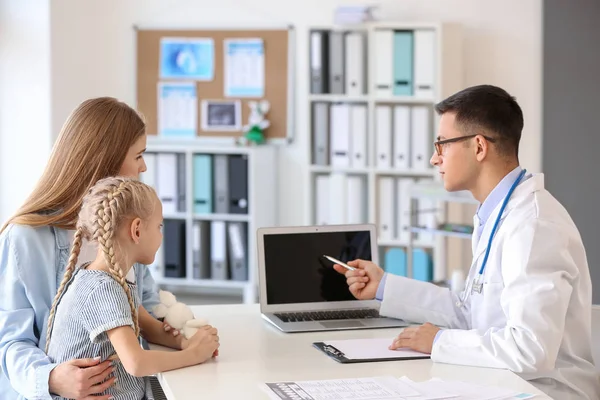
[107, 205]
[488, 110]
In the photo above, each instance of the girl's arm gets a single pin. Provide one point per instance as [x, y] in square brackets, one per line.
[139, 362]
[152, 330]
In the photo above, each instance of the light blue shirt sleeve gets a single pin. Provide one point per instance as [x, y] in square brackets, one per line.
[381, 288]
[437, 335]
[148, 289]
[24, 366]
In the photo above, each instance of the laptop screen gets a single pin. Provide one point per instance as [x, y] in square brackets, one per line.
[297, 272]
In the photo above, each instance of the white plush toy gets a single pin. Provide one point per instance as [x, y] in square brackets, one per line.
[257, 123]
[177, 315]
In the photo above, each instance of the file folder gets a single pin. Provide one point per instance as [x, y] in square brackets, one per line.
[218, 251]
[355, 63]
[336, 63]
[358, 134]
[403, 63]
[167, 181]
[174, 243]
[203, 183]
[221, 184]
[320, 134]
[422, 265]
[149, 177]
[322, 195]
[422, 138]
[238, 259]
[383, 139]
[396, 261]
[356, 200]
[181, 168]
[401, 159]
[404, 218]
[337, 205]
[201, 250]
[386, 208]
[425, 63]
[384, 44]
[319, 54]
[238, 184]
[340, 135]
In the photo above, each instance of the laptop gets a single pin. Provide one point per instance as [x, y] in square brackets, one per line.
[299, 289]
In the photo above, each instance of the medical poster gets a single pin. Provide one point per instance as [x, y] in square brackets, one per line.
[187, 58]
[177, 109]
[244, 67]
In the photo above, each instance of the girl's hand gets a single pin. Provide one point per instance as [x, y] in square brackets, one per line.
[169, 328]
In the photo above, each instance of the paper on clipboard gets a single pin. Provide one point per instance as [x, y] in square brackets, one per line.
[373, 349]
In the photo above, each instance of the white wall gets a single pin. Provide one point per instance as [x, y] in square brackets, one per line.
[93, 54]
[24, 98]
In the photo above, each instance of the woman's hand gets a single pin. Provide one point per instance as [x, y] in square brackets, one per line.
[82, 379]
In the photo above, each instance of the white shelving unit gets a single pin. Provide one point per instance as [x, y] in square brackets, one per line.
[435, 191]
[447, 78]
[262, 211]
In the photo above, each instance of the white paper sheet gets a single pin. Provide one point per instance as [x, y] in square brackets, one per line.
[177, 109]
[375, 388]
[355, 349]
[244, 67]
[387, 388]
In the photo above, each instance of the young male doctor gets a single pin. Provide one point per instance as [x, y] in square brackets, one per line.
[527, 302]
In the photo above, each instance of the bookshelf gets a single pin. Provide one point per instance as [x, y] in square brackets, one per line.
[396, 73]
[258, 210]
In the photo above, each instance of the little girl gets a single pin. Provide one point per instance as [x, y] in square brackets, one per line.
[98, 315]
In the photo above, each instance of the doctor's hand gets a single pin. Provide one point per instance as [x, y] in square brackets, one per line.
[364, 280]
[417, 338]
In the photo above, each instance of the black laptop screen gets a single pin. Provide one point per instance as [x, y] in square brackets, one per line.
[297, 272]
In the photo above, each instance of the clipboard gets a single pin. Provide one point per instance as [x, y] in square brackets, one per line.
[353, 351]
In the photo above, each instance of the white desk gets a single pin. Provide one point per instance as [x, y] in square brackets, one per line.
[253, 351]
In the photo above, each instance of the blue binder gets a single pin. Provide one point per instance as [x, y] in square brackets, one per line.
[203, 199]
[403, 63]
[395, 261]
[422, 265]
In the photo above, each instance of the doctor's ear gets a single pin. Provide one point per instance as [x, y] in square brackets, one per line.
[135, 230]
[481, 148]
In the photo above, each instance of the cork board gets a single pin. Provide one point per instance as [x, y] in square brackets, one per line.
[277, 85]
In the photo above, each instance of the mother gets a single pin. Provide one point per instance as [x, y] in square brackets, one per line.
[102, 137]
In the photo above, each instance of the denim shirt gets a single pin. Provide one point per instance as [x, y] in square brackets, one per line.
[32, 264]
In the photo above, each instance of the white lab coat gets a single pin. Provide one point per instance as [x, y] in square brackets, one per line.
[533, 316]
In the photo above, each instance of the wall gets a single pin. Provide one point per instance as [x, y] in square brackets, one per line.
[25, 133]
[93, 54]
[571, 88]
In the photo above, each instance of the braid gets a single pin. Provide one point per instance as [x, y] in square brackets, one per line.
[66, 278]
[104, 233]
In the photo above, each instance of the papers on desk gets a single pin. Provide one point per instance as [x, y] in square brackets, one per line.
[365, 350]
[387, 387]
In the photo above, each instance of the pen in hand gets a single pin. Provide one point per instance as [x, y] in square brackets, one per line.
[336, 261]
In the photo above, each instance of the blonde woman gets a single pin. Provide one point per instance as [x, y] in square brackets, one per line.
[102, 137]
[94, 313]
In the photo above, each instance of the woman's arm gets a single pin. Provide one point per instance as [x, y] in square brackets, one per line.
[26, 272]
[153, 331]
[139, 362]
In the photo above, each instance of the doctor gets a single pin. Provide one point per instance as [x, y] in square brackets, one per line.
[527, 302]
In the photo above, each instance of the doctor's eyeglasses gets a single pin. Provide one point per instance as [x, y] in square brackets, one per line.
[440, 143]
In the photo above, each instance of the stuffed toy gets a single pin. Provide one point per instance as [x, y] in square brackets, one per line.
[177, 315]
[257, 123]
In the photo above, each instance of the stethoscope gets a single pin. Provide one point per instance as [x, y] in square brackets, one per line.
[477, 284]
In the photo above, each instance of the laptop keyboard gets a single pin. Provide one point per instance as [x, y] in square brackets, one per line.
[327, 315]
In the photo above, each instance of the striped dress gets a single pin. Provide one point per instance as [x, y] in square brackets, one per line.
[92, 304]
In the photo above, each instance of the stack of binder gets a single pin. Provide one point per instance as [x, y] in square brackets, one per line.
[340, 199]
[405, 63]
[339, 133]
[220, 250]
[166, 173]
[338, 62]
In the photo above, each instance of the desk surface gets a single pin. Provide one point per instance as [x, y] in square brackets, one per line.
[253, 352]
